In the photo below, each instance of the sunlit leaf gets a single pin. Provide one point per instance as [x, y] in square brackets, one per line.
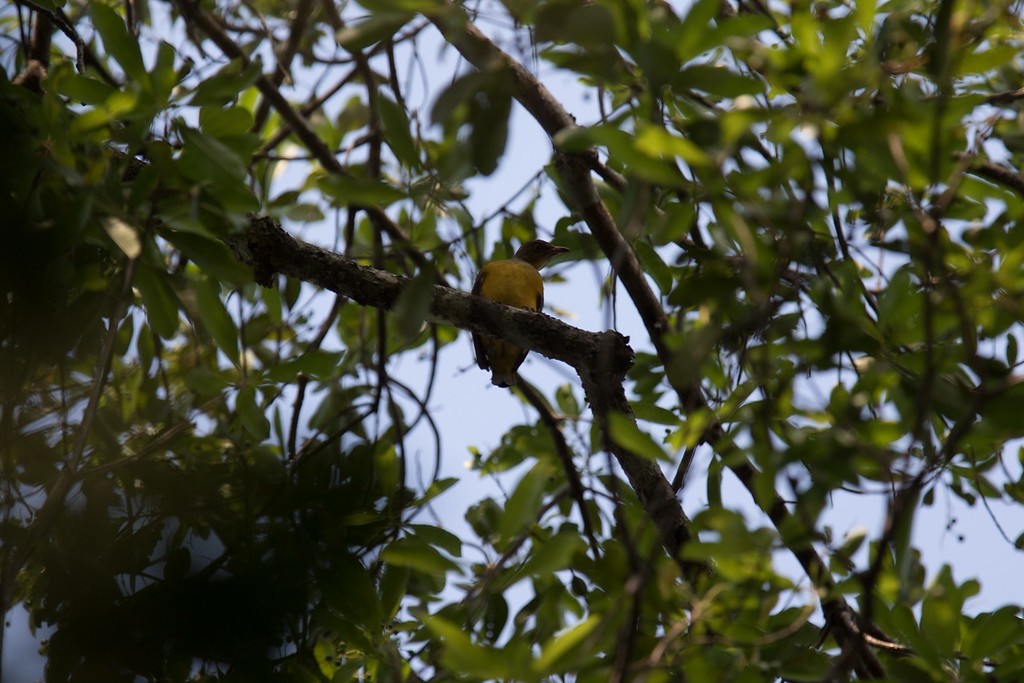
[124, 236]
[555, 652]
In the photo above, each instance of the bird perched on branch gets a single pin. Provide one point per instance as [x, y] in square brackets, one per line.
[516, 282]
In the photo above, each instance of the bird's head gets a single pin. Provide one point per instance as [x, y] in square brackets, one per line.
[538, 252]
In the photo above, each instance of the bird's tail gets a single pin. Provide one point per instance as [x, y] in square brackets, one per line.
[503, 379]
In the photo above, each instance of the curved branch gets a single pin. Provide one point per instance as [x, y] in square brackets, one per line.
[575, 170]
[601, 359]
[1001, 175]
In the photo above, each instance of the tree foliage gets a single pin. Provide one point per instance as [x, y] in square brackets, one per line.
[815, 210]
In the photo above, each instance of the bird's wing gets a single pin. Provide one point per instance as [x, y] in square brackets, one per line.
[482, 361]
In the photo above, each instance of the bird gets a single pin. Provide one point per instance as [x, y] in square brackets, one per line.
[516, 282]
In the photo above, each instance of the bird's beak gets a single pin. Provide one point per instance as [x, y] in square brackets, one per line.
[556, 251]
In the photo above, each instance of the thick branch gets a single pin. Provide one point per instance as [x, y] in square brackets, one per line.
[600, 358]
[268, 249]
[575, 169]
[1002, 175]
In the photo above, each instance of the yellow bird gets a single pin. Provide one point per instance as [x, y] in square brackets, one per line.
[516, 282]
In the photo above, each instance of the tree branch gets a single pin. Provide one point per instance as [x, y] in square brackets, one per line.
[575, 170]
[998, 174]
[600, 358]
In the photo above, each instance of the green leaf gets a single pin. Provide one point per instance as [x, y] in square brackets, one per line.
[489, 118]
[163, 76]
[649, 412]
[525, 502]
[460, 91]
[379, 26]
[566, 400]
[386, 468]
[903, 552]
[349, 589]
[865, 14]
[254, 421]
[495, 617]
[84, 90]
[742, 25]
[206, 158]
[304, 213]
[413, 305]
[555, 652]
[124, 235]
[940, 624]
[393, 584]
[317, 364]
[587, 24]
[482, 100]
[624, 431]
[719, 80]
[414, 553]
[212, 256]
[484, 518]
[224, 86]
[160, 301]
[326, 657]
[438, 537]
[716, 469]
[807, 665]
[118, 42]
[991, 633]
[209, 162]
[552, 555]
[622, 147]
[398, 132]
[436, 488]
[207, 383]
[899, 307]
[461, 654]
[658, 143]
[215, 318]
[653, 266]
[349, 191]
[119, 104]
[694, 28]
[222, 122]
[1003, 411]
[982, 60]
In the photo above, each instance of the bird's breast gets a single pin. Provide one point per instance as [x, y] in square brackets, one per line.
[515, 283]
